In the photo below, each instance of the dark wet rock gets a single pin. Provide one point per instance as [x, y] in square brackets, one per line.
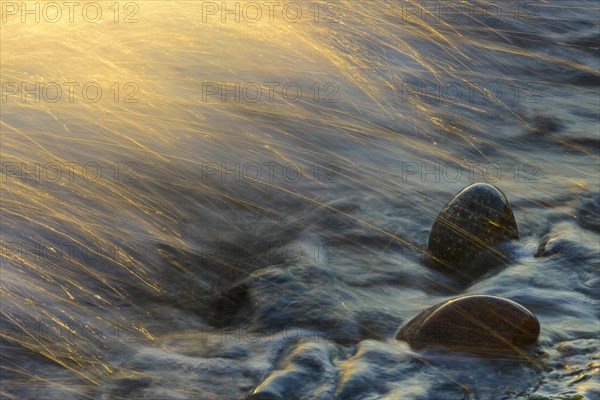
[476, 323]
[572, 253]
[373, 369]
[306, 367]
[231, 306]
[478, 218]
[550, 246]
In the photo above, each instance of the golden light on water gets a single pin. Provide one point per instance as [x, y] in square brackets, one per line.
[139, 99]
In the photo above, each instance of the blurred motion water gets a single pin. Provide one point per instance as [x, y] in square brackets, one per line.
[196, 194]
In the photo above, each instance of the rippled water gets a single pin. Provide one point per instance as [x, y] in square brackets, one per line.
[165, 242]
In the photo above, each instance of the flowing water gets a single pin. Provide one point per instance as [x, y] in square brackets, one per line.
[191, 202]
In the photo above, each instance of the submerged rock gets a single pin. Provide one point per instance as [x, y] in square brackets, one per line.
[307, 367]
[476, 323]
[588, 211]
[478, 218]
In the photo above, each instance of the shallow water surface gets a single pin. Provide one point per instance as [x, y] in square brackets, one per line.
[192, 204]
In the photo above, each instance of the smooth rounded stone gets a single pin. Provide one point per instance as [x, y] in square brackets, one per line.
[466, 230]
[476, 323]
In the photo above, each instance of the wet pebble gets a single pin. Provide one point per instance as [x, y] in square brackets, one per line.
[478, 218]
[475, 323]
